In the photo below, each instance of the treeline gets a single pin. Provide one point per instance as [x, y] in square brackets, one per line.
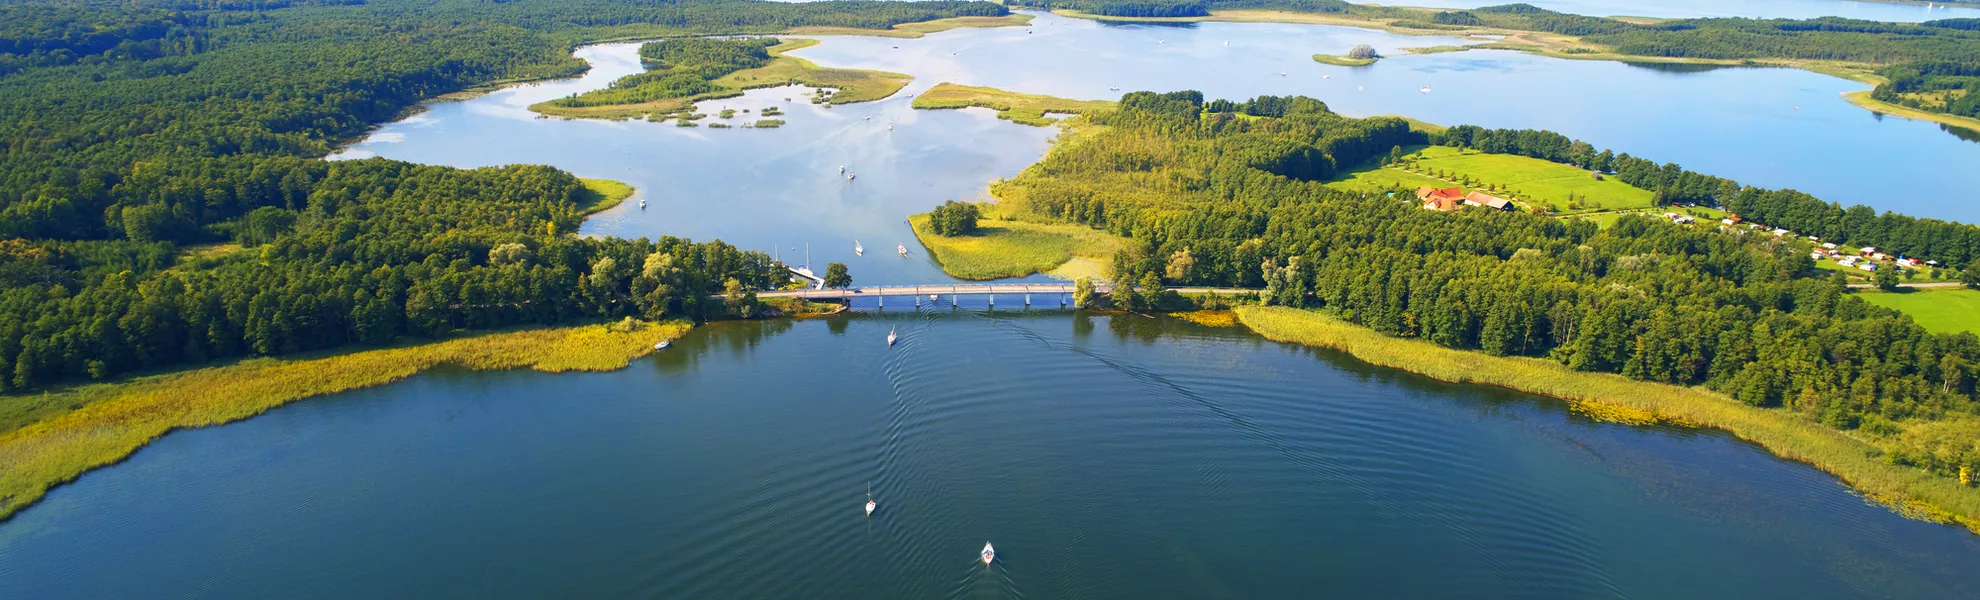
[1937, 86]
[368, 251]
[131, 129]
[1745, 315]
[1180, 8]
[1952, 244]
[679, 68]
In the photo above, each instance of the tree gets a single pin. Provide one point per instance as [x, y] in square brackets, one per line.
[1151, 291]
[1363, 52]
[836, 276]
[1971, 276]
[954, 218]
[1886, 278]
[1083, 293]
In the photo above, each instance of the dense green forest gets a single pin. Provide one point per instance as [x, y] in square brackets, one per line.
[679, 68]
[1952, 244]
[1215, 199]
[1936, 86]
[130, 129]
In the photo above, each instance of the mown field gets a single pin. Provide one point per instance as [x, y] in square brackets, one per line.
[1939, 310]
[1528, 180]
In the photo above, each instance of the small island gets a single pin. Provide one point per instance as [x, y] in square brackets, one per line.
[1023, 109]
[1361, 56]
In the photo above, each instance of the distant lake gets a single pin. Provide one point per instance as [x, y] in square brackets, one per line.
[1755, 9]
[1104, 456]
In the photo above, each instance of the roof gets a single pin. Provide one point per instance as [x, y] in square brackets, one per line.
[1427, 192]
[1484, 199]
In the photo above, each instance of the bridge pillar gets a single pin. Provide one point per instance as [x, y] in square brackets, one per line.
[1027, 300]
[917, 300]
[993, 301]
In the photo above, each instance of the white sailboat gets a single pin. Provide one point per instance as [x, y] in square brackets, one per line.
[902, 248]
[1426, 89]
[870, 504]
[857, 249]
[891, 336]
[642, 204]
[989, 553]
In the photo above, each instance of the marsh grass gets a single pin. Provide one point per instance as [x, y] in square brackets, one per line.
[1002, 248]
[601, 195]
[1610, 397]
[1343, 61]
[853, 85]
[64, 434]
[1024, 109]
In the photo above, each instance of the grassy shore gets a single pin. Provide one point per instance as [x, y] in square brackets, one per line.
[915, 30]
[1939, 310]
[601, 195]
[1026, 109]
[1863, 99]
[1002, 248]
[852, 85]
[52, 438]
[1342, 61]
[1616, 398]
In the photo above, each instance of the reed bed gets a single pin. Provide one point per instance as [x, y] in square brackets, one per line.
[1859, 464]
[115, 419]
[1002, 249]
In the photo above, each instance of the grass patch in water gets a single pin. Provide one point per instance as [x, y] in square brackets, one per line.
[1003, 248]
[915, 30]
[54, 437]
[1611, 397]
[853, 85]
[1343, 61]
[1024, 109]
[601, 195]
[1208, 318]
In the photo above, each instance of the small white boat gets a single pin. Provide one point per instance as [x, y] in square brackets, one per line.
[663, 345]
[1227, 43]
[870, 504]
[849, 177]
[1425, 89]
[1326, 76]
[902, 248]
[891, 337]
[858, 249]
[842, 168]
[890, 127]
[1282, 73]
[642, 203]
[989, 553]
[931, 297]
[869, 117]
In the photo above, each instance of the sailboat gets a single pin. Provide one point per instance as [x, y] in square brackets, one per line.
[989, 553]
[642, 204]
[870, 504]
[891, 336]
[1426, 89]
[849, 177]
[902, 248]
[857, 249]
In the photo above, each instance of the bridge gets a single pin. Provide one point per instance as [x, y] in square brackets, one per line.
[953, 291]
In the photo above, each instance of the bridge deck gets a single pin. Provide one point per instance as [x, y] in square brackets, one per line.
[1006, 289]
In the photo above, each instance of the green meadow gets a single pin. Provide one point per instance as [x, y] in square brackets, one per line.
[1530, 181]
[1938, 310]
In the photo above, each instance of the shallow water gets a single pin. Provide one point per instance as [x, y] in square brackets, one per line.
[1757, 9]
[1123, 457]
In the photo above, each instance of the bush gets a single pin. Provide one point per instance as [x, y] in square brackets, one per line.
[954, 218]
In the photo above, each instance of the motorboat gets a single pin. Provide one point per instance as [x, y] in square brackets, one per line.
[989, 553]
[663, 345]
[849, 177]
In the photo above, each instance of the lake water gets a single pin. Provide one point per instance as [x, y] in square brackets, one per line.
[1758, 9]
[1106, 457]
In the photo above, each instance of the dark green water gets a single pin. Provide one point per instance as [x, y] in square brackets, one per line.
[1106, 458]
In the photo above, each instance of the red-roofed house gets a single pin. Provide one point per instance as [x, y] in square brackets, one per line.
[1446, 199]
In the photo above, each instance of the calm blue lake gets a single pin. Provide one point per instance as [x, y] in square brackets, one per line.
[1104, 456]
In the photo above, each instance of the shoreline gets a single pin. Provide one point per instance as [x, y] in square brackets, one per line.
[1853, 462]
[107, 422]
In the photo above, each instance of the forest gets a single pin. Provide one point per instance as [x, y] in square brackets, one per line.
[679, 68]
[1210, 198]
[143, 140]
[1938, 86]
[1952, 244]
